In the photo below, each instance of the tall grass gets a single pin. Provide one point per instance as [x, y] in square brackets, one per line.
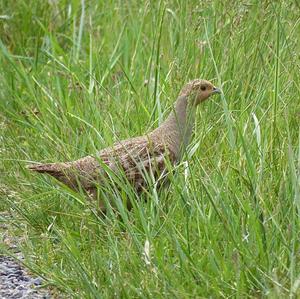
[76, 76]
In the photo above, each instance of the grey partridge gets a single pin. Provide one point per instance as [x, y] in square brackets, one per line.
[140, 157]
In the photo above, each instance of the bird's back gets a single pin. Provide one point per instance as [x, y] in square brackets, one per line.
[137, 159]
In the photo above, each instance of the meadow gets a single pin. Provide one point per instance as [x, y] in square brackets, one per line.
[76, 76]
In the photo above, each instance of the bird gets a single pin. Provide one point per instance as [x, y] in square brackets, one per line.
[137, 158]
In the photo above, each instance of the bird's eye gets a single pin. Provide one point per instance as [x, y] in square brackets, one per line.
[203, 87]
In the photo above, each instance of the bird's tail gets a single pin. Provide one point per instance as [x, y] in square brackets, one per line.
[53, 169]
[61, 171]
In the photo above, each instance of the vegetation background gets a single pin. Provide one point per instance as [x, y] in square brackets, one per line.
[75, 76]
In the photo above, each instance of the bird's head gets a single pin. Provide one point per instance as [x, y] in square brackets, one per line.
[199, 90]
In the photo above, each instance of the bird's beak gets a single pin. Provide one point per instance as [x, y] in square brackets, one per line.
[216, 90]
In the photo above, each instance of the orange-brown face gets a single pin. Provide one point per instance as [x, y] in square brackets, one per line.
[200, 90]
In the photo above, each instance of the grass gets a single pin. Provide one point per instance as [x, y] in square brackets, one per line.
[75, 76]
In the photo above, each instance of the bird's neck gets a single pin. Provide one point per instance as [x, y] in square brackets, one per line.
[177, 129]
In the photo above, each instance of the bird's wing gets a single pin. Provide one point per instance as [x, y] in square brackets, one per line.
[141, 160]
[138, 159]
